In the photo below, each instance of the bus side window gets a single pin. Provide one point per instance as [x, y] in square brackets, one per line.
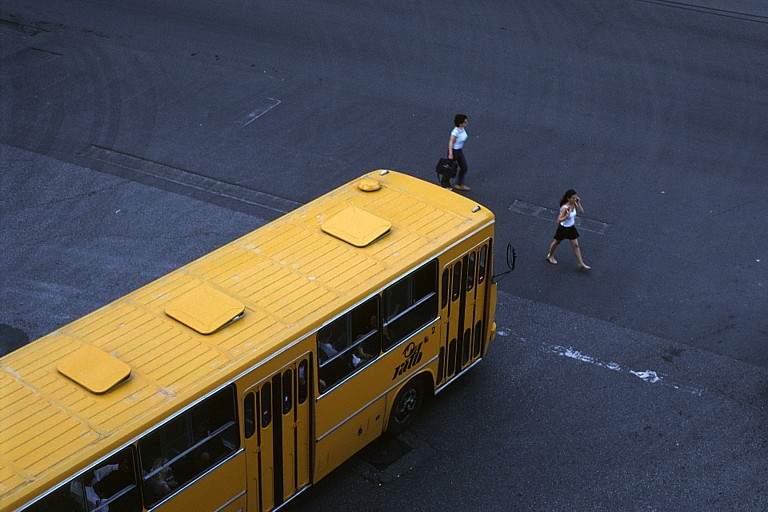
[115, 482]
[60, 500]
[188, 445]
[348, 343]
[365, 332]
[410, 304]
[109, 486]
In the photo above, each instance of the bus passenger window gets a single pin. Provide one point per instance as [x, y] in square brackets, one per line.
[348, 343]
[325, 348]
[331, 344]
[188, 446]
[365, 328]
[109, 486]
[396, 299]
[59, 500]
[115, 480]
[411, 303]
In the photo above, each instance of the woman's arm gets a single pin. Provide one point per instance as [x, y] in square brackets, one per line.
[578, 205]
[450, 146]
[564, 211]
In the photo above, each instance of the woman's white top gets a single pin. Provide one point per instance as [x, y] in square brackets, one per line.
[461, 136]
[570, 220]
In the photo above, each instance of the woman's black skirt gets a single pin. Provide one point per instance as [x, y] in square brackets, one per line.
[564, 233]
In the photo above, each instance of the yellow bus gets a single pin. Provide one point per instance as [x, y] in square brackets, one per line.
[238, 380]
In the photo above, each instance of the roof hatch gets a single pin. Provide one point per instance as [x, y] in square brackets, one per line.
[205, 309]
[356, 226]
[369, 185]
[94, 369]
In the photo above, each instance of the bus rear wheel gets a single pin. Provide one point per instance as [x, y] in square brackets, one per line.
[406, 406]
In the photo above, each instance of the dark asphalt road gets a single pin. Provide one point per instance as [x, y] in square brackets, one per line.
[135, 137]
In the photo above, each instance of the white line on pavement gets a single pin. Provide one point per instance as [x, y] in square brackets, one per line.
[650, 376]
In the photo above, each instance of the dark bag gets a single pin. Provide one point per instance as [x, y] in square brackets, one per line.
[447, 167]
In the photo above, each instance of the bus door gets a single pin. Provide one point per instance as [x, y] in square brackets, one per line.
[463, 305]
[278, 435]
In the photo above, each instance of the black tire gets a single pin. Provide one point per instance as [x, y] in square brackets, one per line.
[406, 406]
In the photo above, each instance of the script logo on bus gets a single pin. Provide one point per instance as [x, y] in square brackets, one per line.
[412, 354]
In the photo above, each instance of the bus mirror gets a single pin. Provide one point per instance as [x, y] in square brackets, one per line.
[511, 257]
[511, 260]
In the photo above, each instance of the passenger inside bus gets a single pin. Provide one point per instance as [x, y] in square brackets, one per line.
[160, 484]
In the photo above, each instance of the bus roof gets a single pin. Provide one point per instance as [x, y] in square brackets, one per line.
[82, 391]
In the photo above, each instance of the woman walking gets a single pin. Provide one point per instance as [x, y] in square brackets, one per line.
[566, 230]
[456, 150]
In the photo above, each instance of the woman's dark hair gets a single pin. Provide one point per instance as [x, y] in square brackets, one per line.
[568, 193]
[458, 119]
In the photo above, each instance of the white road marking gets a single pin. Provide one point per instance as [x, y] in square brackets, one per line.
[257, 113]
[650, 376]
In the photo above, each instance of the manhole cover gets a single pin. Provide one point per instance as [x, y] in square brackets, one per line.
[384, 451]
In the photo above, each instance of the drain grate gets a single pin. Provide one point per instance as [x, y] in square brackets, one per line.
[142, 167]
